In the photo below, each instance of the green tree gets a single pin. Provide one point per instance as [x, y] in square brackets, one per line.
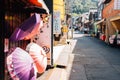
[82, 6]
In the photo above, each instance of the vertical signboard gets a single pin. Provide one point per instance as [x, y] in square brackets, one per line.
[56, 22]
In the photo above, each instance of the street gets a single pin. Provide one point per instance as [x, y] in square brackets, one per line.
[93, 59]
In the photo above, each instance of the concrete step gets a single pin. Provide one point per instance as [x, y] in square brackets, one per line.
[57, 74]
[62, 60]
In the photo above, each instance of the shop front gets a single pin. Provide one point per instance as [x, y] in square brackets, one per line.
[101, 29]
[115, 38]
[22, 21]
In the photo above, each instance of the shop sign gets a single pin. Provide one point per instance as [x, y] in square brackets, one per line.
[56, 23]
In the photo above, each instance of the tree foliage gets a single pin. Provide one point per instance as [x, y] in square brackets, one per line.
[82, 6]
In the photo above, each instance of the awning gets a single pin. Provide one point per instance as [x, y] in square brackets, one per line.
[100, 21]
[86, 21]
[35, 9]
[115, 18]
[116, 22]
[40, 3]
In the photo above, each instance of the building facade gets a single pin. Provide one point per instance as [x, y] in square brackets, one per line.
[110, 18]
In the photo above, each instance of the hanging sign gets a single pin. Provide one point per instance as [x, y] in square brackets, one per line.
[56, 23]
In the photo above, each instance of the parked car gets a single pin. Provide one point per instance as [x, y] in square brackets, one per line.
[76, 28]
[86, 30]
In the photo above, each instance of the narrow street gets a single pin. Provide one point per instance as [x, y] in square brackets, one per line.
[92, 59]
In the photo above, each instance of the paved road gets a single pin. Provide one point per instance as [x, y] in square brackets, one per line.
[92, 59]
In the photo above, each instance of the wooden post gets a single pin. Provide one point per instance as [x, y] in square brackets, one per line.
[2, 54]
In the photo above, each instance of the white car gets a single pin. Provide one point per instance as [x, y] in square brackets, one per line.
[86, 30]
